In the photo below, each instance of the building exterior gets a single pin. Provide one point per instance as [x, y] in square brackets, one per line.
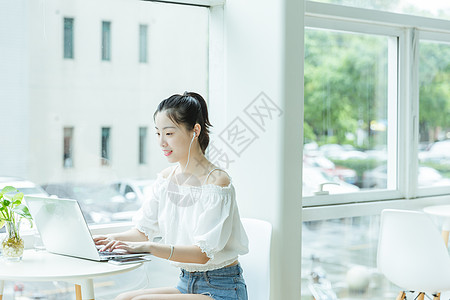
[91, 79]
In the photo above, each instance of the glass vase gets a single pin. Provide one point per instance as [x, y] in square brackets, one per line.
[12, 245]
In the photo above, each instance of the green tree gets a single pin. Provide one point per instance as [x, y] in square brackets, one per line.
[342, 84]
[434, 98]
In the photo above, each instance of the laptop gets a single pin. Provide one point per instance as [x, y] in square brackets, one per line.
[64, 230]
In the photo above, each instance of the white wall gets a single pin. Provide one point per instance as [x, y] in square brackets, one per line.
[264, 53]
[14, 133]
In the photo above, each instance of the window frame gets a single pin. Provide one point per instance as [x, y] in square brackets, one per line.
[408, 30]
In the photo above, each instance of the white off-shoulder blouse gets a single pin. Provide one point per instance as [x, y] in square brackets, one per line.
[204, 215]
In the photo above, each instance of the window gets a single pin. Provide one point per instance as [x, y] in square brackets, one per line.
[404, 114]
[106, 40]
[350, 96]
[106, 150]
[434, 109]
[68, 147]
[143, 43]
[68, 37]
[142, 145]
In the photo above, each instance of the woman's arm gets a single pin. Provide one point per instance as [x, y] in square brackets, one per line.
[183, 254]
[132, 235]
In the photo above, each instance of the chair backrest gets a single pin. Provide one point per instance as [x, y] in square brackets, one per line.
[256, 264]
[412, 253]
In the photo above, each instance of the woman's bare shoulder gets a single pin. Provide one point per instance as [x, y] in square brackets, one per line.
[219, 177]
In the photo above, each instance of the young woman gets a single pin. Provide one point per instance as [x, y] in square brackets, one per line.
[192, 207]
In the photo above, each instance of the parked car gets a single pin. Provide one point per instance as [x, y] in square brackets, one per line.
[27, 187]
[100, 203]
[377, 178]
[439, 152]
[341, 152]
[346, 174]
[133, 189]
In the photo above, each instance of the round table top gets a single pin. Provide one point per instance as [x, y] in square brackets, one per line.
[43, 266]
[438, 210]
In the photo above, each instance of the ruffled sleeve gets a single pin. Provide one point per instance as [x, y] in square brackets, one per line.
[215, 223]
[146, 218]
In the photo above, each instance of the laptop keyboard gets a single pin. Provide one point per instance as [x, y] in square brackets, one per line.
[108, 253]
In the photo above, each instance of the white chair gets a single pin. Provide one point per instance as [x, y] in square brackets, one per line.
[256, 264]
[412, 253]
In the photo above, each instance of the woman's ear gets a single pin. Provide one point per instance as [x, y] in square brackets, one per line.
[197, 130]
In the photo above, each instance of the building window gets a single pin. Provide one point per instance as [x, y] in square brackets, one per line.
[106, 40]
[68, 37]
[68, 147]
[106, 149]
[143, 43]
[142, 145]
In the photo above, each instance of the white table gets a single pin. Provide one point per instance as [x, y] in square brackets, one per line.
[44, 266]
[441, 211]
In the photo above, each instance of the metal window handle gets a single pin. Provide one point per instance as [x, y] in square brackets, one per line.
[321, 191]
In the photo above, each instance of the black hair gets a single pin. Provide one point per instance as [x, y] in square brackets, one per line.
[188, 109]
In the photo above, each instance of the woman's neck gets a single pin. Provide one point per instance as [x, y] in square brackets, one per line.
[197, 165]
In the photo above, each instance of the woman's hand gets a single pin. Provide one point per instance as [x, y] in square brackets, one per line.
[101, 239]
[131, 247]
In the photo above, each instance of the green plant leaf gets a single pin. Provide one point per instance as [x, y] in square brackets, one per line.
[23, 211]
[9, 189]
[18, 197]
[6, 202]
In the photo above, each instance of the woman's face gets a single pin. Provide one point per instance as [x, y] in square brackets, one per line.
[173, 138]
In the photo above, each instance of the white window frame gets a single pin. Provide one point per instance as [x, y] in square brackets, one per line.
[408, 29]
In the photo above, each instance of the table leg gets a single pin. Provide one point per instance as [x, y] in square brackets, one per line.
[84, 290]
[77, 292]
[401, 296]
[2, 284]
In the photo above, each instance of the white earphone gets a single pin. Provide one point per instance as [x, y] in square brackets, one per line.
[189, 153]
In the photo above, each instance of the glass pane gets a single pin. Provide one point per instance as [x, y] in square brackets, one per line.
[106, 146]
[106, 40]
[431, 8]
[68, 147]
[347, 128]
[143, 145]
[342, 263]
[68, 37]
[434, 112]
[143, 43]
[90, 111]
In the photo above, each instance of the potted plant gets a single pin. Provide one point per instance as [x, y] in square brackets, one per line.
[12, 211]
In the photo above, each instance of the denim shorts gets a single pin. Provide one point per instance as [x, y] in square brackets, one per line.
[222, 284]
